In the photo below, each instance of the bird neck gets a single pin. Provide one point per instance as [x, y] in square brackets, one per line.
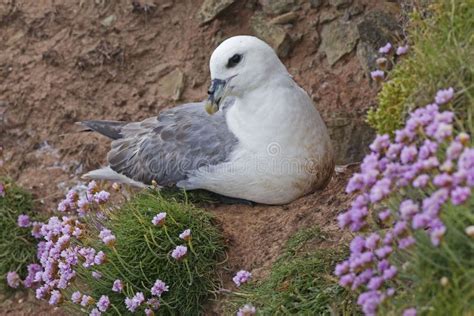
[261, 114]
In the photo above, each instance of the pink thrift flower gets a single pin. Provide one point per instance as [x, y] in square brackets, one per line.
[103, 303]
[76, 297]
[96, 275]
[153, 303]
[247, 310]
[149, 312]
[384, 215]
[159, 288]
[402, 50]
[23, 221]
[86, 300]
[159, 219]
[179, 252]
[185, 235]
[99, 258]
[444, 96]
[92, 188]
[385, 49]
[460, 195]
[134, 302]
[55, 297]
[241, 277]
[406, 242]
[437, 234]
[2, 190]
[117, 286]
[421, 181]
[409, 312]
[107, 237]
[377, 75]
[13, 279]
[101, 197]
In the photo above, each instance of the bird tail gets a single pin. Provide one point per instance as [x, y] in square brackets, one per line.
[106, 173]
[111, 129]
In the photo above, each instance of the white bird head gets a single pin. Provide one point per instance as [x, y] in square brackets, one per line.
[238, 65]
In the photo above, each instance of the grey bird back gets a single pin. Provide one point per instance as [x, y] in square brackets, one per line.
[167, 147]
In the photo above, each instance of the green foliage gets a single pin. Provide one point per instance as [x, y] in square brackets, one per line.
[301, 282]
[17, 246]
[438, 280]
[441, 56]
[142, 254]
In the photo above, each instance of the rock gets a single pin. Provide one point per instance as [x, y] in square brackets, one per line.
[210, 9]
[328, 15]
[108, 21]
[337, 40]
[277, 6]
[375, 30]
[315, 3]
[156, 72]
[274, 35]
[340, 3]
[350, 138]
[286, 18]
[355, 10]
[171, 86]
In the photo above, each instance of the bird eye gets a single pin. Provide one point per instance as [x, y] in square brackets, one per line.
[234, 60]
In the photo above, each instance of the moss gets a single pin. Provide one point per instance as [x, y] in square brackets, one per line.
[301, 282]
[441, 56]
[17, 246]
[142, 255]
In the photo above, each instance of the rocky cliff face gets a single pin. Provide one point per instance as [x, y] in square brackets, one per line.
[63, 61]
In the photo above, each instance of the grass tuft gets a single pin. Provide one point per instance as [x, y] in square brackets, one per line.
[142, 255]
[17, 246]
[301, 281]
[438, 280]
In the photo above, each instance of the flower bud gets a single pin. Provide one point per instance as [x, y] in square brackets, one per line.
[470, 231]
[382, 62]
[463, 138]
[444, 281]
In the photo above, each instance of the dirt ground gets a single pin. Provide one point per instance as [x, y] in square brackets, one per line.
[63, 61]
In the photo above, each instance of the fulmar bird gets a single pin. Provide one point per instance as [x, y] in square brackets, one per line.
[258, 137]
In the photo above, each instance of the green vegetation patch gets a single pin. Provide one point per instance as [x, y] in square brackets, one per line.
[142, 254]
[17, 246]
[301, 281]
[441, 56]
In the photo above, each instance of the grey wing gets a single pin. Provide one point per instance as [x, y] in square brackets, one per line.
[166, 148]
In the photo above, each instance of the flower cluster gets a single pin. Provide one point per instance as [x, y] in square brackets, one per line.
[107, 237]
[424, 156]
[64, 253]
[387, 50]
[82, 203]
[60, 253]
[153, 303]
[241, 277]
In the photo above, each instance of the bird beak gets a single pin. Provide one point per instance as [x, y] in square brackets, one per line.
[216, 95]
